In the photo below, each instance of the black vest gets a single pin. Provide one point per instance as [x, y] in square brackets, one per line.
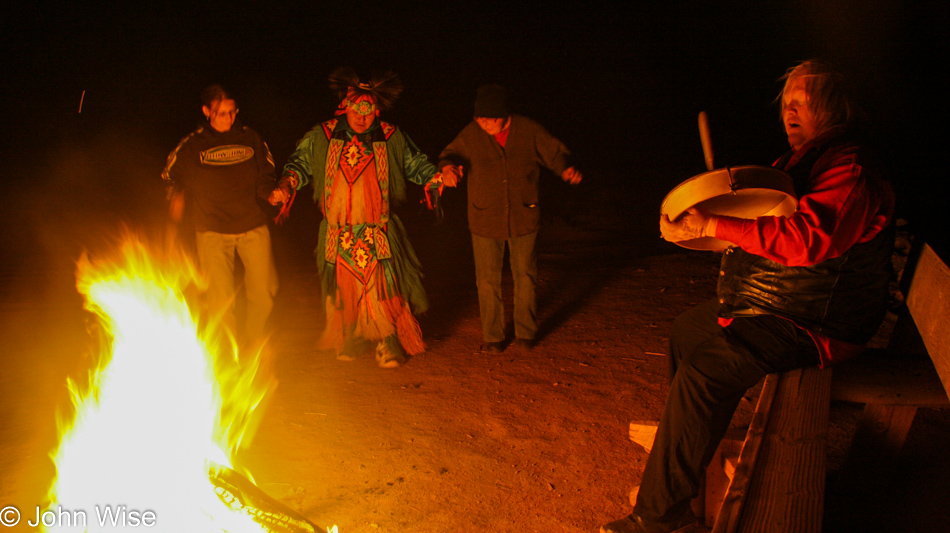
[844, 298]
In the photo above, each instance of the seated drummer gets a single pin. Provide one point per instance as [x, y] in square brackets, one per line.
[798, 291]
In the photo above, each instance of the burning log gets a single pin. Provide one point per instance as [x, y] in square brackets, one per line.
[241, 495]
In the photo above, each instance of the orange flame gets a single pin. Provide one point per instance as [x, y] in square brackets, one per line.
[166, 403]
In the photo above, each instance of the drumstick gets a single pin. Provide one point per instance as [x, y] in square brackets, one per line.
[707, 141]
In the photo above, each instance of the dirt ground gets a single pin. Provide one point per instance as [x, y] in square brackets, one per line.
[455, 440]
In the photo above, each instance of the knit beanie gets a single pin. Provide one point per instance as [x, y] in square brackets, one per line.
[490, 102]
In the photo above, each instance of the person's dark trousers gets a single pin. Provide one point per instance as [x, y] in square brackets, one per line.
[489, 256]
[711, 368]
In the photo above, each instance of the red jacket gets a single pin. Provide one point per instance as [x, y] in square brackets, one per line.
[826, 266]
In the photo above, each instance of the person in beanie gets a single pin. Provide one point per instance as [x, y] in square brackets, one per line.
[501, 154]
[369, 272]
[805, 290]
[225, 170]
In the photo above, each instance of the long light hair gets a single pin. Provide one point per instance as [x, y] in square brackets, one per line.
[829, 98]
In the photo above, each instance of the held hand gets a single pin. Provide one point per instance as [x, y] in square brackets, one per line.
[451, 175]
[278, 196]
[691, 225]
[176, 206]
[572, 176]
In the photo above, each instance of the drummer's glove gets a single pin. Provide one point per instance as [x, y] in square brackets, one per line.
[691, 225]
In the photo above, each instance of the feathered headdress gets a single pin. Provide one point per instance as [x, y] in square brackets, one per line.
[383, 88]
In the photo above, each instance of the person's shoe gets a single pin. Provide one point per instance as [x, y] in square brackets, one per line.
[343, 356]
[524, 344]
[387, 358]
[492, 347]
[635, 524]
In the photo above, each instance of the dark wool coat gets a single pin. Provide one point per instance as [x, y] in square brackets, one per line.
[503, 182]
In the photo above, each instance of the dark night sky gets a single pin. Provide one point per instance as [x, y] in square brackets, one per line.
[620, 85]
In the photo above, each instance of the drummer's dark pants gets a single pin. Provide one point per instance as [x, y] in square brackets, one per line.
[711, 368]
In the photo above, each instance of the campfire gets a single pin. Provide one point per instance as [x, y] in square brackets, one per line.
[168, 402]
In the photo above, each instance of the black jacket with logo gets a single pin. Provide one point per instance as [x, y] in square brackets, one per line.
[224, 175]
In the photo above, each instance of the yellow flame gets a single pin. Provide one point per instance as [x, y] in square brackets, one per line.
[158, 409]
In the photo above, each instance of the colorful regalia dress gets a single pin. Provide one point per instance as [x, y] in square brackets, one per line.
[370, 275]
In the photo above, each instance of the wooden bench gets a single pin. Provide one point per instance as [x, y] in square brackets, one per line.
[777, 482]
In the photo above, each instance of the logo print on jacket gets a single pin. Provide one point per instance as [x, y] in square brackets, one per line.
[227, 155]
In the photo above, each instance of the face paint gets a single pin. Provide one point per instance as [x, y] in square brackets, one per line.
[363, 107]
[361, 104]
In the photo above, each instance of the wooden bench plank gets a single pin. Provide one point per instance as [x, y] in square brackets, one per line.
[889, 380]
[893, 387]
[787, 492]
[928, 300]
[731, 508]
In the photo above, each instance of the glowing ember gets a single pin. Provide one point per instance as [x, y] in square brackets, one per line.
[160, 417]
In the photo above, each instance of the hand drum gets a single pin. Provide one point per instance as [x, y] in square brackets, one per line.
[743, 192]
